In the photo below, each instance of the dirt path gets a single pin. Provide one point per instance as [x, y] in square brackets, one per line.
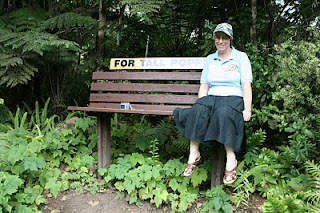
[85, 202]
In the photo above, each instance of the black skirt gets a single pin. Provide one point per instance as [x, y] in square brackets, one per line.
[213, 118]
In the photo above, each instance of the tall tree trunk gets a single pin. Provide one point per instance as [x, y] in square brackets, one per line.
[1, 6]
[10, 5]
[253, 31]
[52, 7]
[100, 37]
[120, 24]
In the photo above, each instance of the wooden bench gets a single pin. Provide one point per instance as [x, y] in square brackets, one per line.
[153, 86]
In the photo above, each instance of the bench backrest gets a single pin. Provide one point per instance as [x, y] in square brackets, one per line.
[148, 92]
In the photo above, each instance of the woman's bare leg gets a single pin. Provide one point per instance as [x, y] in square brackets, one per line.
[194, 151]
[231, 160]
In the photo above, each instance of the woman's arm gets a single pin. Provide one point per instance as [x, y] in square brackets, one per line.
[247, 98]
[203, 90]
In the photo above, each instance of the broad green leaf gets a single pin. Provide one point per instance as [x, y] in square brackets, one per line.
[40, 200]
[216, 203]
[164, 195]
[11, 184]
[174, 184]
[54, 186]
[129, 186]
[120, 186]
[144, 193]
[33, 163]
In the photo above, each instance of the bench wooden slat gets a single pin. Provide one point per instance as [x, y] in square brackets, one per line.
[177, 76]
[141, 87]
[143, 98]
[140, 106]
[112, 110]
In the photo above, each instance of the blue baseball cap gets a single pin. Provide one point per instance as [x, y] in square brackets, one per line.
[225, 28]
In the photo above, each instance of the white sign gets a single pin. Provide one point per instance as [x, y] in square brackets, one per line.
[157, 63]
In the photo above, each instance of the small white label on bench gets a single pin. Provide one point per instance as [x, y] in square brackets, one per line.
[157, 63]
[125, 105]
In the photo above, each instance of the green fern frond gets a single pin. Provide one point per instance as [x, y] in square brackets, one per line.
[317, 129]
[13, 76]
[144, 6]
[25, 19]
[274, 204]
[313, 170]
[255, 140]
[4, 114]
[4, 148]
[181, 143]
[69, 20]
[8, 60]
[2, 23]
[35, 42]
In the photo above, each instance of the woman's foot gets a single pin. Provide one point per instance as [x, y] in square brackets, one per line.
[230, 175]
[190, 168]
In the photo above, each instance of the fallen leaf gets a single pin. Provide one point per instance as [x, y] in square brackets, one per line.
[55, 211]
[93, 202]
[49, 195]
[64, 198]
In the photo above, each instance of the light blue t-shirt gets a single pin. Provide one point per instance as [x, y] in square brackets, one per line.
[225, 78]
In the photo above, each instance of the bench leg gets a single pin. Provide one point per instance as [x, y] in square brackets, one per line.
[218, 164]
[104, 145]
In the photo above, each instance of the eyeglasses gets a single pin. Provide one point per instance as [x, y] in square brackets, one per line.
[218, 37]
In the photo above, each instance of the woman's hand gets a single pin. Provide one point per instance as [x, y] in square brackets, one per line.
[246, 114]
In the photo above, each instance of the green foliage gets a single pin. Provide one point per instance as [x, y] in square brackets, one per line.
[146, 178]
[313, 196]
[24, 41]
[15, 70]
[35, 42]
[69, 21]
[144, 6]
[32, 152]
[4, 114]
[26, 19]
[263, 66]
[297, 78]
[217, 201]
[284, 203]
[255, 140]
[301, 143]
[9, 185]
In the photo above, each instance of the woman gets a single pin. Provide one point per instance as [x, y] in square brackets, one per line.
[224, 103]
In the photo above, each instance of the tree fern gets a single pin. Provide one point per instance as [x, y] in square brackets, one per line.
[18, 48]
[26, 19]
[69, 20]
[14, 70]
[34, 42]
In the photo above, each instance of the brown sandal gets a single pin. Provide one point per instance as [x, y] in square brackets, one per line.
[190, 168]
[231, 174]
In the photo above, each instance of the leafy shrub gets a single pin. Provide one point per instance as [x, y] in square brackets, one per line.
[144, 177]
[217, 201]
[32, 152]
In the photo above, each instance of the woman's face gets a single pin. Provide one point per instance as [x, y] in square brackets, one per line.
[222, 41]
